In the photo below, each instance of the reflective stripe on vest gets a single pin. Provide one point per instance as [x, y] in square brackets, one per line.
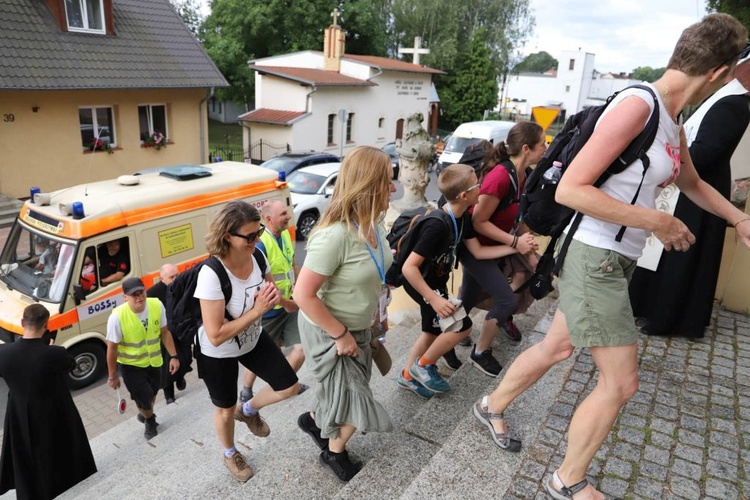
[280, 261]
[140, 346]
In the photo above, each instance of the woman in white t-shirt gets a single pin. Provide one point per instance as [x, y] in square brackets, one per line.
[594, 309]
[232, 332]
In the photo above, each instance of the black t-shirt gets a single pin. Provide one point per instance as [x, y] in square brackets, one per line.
[436, 243]
[158, 291]
[111, 264]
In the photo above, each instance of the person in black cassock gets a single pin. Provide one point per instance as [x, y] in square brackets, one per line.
[45, 448]
[677, 299]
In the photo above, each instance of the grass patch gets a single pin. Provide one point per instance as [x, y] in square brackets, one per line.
[224, 135]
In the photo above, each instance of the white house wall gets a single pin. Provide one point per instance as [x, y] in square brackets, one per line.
[397, 95]
[526, 91]
[307, 59]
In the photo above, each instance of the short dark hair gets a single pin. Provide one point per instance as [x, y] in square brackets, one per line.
[36, 316]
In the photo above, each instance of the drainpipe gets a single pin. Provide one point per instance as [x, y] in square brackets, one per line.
[380, 72]
[204, 122]
[307, 99]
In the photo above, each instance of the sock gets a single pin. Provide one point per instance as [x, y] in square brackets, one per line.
[406, 374]
[423, 361]
[248, 410]
[228, 452]
[486, 403]
[477, 352]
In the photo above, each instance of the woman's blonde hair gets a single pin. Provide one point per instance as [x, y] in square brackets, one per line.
[230, 219]
[361, 191]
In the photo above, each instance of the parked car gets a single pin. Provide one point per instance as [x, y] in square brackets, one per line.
[292, 160]
[471, 133]
[311, 189]
[390, 148]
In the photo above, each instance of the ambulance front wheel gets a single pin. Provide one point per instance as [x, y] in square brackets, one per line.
[91, 361]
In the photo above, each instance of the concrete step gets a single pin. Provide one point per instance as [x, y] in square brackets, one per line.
[432, 450]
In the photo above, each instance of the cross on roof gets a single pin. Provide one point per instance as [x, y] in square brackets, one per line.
[416, 50]
[335, 14]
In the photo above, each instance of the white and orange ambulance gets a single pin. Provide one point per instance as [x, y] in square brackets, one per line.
[56, 252]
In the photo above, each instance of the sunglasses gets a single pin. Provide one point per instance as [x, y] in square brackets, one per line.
[472, 188]
[252, 236]
[738, 56]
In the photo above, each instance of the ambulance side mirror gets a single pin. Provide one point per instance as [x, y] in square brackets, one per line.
[78, 295]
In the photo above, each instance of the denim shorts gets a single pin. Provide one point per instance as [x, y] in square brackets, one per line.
[594, 296]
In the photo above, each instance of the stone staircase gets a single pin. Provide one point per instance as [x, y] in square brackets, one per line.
[437, 449]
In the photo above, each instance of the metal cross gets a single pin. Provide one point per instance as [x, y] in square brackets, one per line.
[416, 50]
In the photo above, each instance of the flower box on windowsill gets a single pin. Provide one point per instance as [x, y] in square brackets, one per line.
[145, 145]
[157, 140]
[98, 145]
[110, 150]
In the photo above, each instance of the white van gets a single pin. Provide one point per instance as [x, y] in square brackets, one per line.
[470, 133]
[56, 254]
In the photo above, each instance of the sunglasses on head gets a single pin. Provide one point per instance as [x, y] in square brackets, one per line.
[738, 56]
[252, 236]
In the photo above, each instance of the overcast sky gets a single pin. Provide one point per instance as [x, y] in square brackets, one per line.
[622, 34]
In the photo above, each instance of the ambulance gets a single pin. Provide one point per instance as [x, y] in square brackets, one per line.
[61, 246]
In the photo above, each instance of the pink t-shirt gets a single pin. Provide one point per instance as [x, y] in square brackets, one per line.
[497, 183]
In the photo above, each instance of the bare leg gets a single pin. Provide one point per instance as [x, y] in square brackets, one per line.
[487, 334]
[444, 343]
[593, 420]
[338, 444]
[248, 378]
[420, 347]
[267, 396]
[530, 366]
[296, 357]
[224, 426]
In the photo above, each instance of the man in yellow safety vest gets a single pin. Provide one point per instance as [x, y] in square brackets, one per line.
[135, 332]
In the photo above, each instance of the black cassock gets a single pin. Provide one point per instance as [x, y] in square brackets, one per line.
[677, 298]
[45, 448]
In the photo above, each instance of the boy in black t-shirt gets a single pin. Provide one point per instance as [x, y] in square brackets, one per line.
[427, 269]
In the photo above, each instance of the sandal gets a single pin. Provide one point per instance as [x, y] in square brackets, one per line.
[563, 492]
[503, 440]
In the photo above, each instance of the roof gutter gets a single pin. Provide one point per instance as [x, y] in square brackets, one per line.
[204, 123]
[380, 72]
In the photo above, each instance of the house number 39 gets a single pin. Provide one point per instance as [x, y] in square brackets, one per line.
[9, 117]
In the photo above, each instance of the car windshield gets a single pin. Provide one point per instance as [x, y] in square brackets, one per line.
[36, 265]
[390, 148]
[282, 163]
[304, 182]
[459, 144]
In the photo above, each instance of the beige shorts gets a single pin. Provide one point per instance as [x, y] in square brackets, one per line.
[594, 296]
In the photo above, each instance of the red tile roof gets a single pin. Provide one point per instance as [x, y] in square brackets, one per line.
[273, 116]
[392, 64]
[309, 76]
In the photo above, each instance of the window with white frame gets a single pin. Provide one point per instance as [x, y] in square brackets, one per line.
[97, 128]
[331, 121]
[152, 120]
[349, 125]
[85, 15]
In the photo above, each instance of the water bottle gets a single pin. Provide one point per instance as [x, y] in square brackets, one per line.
[553, 174]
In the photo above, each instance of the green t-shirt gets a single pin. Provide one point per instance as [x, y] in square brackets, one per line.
[352, 289]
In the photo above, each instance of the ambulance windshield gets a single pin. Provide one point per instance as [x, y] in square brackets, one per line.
[36, 265]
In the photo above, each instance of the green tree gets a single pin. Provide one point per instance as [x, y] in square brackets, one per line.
[189, 11]
[538, 62]
[472, 88]
[738, 8]
[647, 73]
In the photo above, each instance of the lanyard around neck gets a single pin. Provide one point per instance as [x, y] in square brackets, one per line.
[280, 243]
[456, 234]
[380, 266]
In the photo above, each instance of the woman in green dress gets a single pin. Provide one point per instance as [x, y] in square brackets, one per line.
[340, 288]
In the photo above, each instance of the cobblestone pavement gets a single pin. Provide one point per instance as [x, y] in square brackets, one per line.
[683, 435]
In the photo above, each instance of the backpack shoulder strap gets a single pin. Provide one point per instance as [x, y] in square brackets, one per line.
[512, 195]
[226, 286]
[260, 258]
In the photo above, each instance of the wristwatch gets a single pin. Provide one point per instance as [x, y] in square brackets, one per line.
[174, 356]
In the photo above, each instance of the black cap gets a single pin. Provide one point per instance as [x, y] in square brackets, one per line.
[131, 285]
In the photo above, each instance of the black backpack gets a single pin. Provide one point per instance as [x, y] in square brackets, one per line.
[183, 309]
[402, 241]
[538, 208]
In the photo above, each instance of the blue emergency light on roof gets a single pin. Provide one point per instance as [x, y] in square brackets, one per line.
[34, 191]
[282, 176]
[78, 210]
